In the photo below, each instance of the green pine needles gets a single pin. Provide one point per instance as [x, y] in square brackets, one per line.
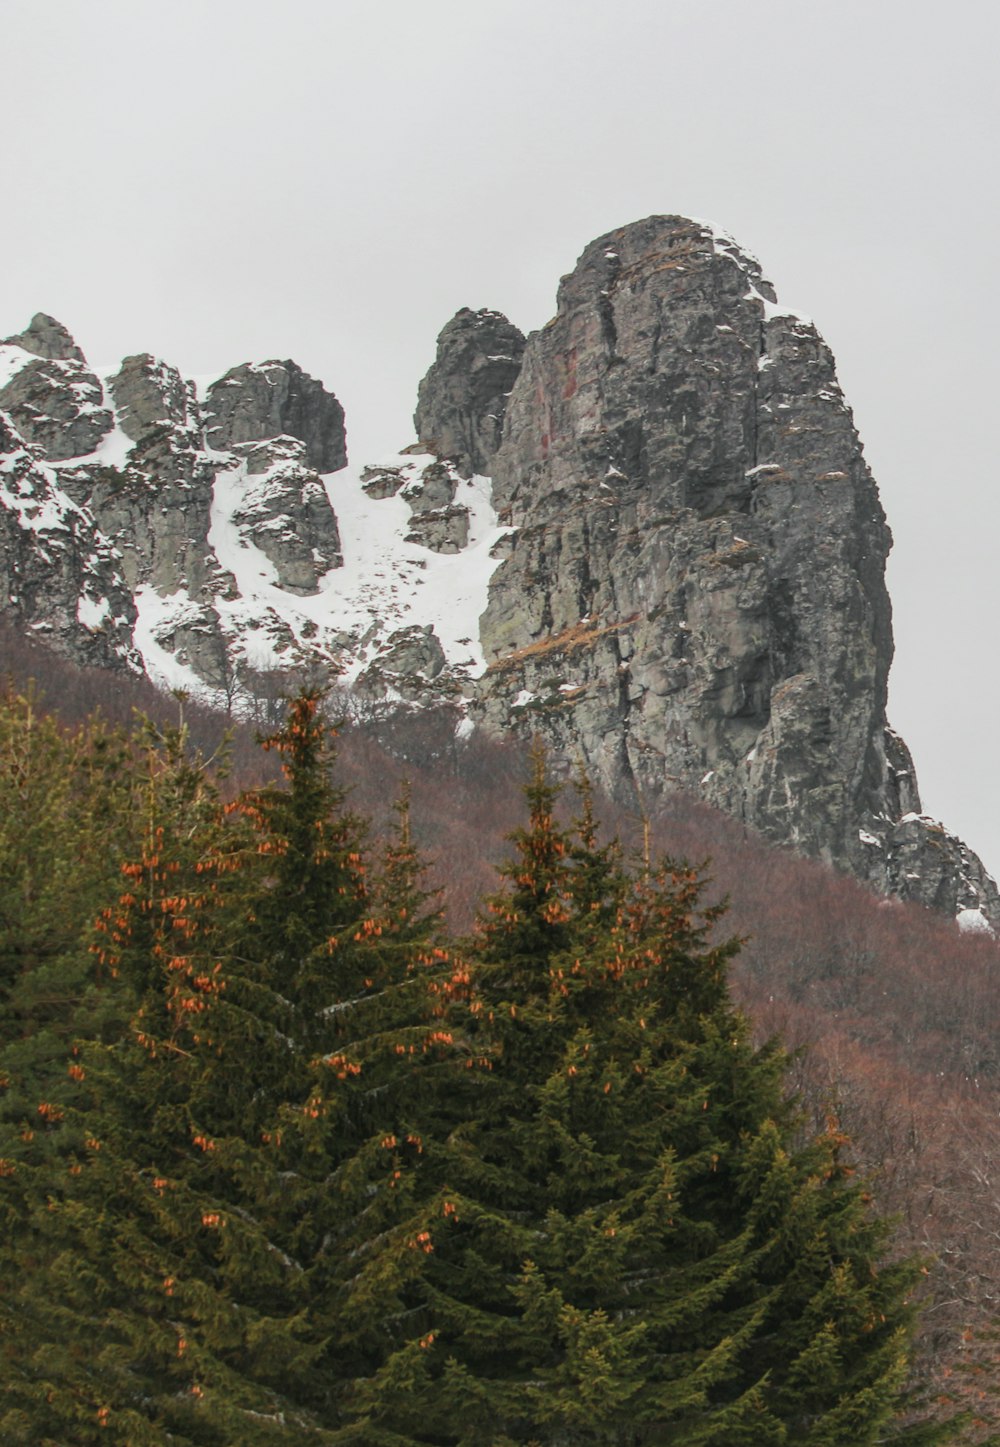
[282, 1164]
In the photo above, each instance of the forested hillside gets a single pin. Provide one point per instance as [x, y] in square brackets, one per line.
[296, 1149]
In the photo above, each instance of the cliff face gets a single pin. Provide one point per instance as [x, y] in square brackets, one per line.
[676, 572]
[693, 594]
[462, 401]
[124, 462]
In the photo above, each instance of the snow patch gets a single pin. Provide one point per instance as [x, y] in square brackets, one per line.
[12, 360]
[91, 612]
[384, 582]
[973, 921]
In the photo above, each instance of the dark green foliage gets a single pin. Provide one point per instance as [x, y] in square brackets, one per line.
[638, 1252]
[313, 1176]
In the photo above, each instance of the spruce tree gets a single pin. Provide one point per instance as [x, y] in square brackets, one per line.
[201, 1277]
[638, 1251]
[65, 825]
[160, 1303]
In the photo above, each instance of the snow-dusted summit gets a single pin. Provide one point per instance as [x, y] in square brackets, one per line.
[216, 539]
[647, 532]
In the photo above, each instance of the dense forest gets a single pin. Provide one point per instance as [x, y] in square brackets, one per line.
[370, 1089]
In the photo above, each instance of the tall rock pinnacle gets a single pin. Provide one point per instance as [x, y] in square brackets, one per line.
[694, 595]
[463, 398]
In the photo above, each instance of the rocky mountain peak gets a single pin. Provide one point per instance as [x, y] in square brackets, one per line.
[462, 401]
[46, 337]
[260, 400]
[149, 395]
[647, 532]
[694, 594]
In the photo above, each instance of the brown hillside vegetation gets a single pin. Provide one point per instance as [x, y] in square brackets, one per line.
[896, 1012]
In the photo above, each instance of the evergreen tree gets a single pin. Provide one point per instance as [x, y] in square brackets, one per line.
[196, 1277]
[331, 1181]
[638, 1250]
[65, 826]
[159, 1302]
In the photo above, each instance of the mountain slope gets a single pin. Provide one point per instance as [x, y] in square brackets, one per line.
[674, 572]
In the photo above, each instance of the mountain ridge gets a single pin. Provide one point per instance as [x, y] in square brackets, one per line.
[646, 532]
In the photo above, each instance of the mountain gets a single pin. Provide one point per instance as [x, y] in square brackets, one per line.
[646, 532]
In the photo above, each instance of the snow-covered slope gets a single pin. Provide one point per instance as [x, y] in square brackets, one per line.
[239, 558]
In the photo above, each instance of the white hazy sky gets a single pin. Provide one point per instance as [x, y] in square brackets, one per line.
[226, 180]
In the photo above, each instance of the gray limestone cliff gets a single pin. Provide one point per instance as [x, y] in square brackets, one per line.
[125, 462]
[462, 401]
[692, 595]
[59, 576]
[675, 574]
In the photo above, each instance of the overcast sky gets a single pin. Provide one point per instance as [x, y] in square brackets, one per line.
[219, 181]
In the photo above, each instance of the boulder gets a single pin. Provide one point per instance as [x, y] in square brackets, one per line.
[58, 406]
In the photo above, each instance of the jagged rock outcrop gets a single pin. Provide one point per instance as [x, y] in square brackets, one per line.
[59, 577]
[152, 398]
[286, 513]
[694, 594]
[156, 502]
[929, 864]
[684, 585]
[45, 337]
[58, 406]
[405, 667]
[462, 401]
[257, 401]
[133, 460]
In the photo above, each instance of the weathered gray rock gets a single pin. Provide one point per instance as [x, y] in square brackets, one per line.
[192, 633]
[408, 667]
[58, 406]
[413, 650]
[156, 506]
[929, 864]
[151, 396]
[434, 487]
[694, 596]
[59, 577]
[441, 529]
[285, 512]
[270, 399]
[462, 400]
[157, 511]
[45, 337]
[381, 482]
